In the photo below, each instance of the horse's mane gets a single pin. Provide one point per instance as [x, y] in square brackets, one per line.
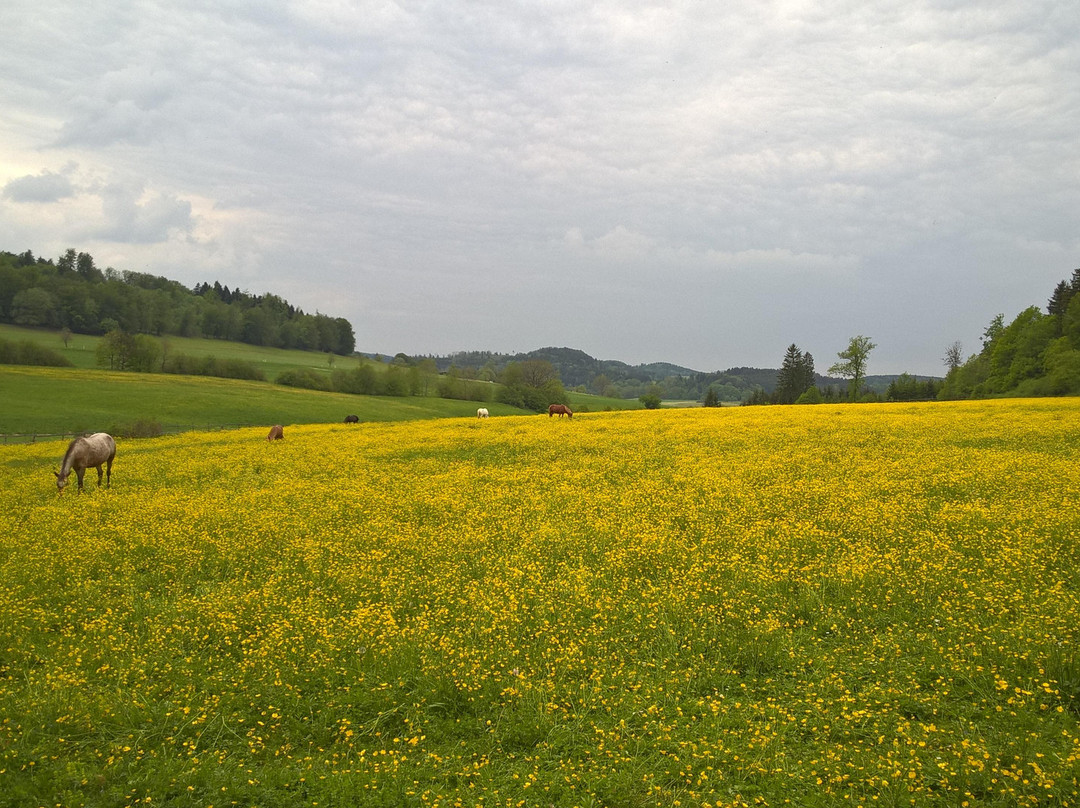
[70, 450]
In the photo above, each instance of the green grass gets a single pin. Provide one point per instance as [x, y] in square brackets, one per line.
[52, 400]
[34, 400]
[48, 401]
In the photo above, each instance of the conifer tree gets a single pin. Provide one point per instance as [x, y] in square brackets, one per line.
[795, 377]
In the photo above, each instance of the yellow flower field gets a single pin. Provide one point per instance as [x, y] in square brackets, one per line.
[813, 606]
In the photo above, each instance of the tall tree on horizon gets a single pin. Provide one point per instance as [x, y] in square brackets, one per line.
[954, 355]
[796, 375]
[852, 364]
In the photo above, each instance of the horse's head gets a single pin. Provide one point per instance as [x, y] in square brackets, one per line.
[61, 481]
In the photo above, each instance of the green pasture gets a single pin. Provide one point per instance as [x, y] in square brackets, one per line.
[37, 400]
[62, 400]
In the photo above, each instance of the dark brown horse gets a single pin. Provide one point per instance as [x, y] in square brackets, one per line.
[352, 419]
[560, 410]
[276, 433]
[90, 451]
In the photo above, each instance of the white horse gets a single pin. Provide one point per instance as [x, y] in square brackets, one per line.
[482, 412]
[91, 451]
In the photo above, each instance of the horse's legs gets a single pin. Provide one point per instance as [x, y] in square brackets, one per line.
[108, 473]
[99, 475]
[79, 473]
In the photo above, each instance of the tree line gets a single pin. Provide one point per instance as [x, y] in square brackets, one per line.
[529, 384]
[581, 373]
[72, 293]
[797, 383]
[1037, 354]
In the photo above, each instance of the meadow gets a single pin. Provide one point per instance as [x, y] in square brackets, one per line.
[861, 605]
[63, 400]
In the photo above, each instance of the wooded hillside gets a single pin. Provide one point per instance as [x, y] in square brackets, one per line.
[73, 293]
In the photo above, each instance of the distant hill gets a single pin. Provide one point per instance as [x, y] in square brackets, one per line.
[578, 369]
[575, 367]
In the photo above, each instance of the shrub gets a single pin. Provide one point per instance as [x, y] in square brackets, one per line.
[26, 352]
[211, 366]
[360, 381]
[651, 401]
[305, 378]
[395, 382]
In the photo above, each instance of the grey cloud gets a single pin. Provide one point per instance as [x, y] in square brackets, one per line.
[130, 218]
[44, 187]
[784, 167]
[129, 105]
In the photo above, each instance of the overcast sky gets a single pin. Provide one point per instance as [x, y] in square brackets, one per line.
[695, 181]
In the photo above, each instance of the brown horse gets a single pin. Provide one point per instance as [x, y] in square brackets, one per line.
[276, 433]
[352, 419]
[90, 451]
[560, 410]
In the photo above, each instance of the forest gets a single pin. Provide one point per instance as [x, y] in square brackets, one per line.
[1037, 354]
[73, 293]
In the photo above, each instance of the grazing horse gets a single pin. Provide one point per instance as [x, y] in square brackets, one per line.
[87, 452]
[482, 412]
[276, 433]
[560, 410]
[352, 419]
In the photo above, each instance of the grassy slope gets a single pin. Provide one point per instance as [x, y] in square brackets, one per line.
[61, 400]
[99, 399]
[81, 351]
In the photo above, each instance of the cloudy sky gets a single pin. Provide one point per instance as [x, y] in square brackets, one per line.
[693, 181]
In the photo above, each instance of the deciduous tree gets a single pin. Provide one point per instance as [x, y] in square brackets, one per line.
[954, 356]
[852, 364]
